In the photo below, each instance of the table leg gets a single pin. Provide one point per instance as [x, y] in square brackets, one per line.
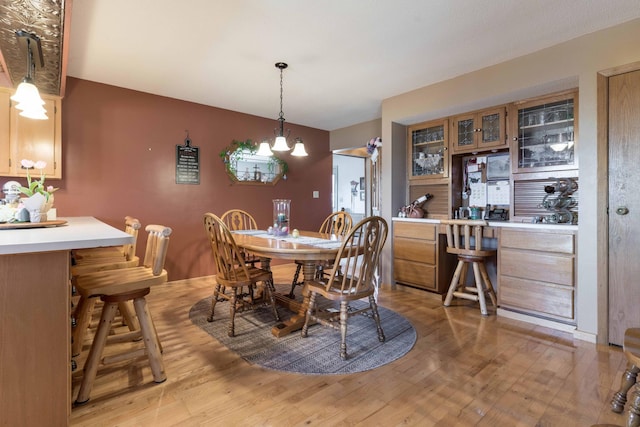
[297, 320]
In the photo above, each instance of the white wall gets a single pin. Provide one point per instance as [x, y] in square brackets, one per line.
[571, 64]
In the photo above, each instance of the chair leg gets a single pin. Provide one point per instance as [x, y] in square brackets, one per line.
[344, 315]
[633, 418]
[455, 282]
[294, 283]
[310, 307]
[376, 317]
[629, 378]
[270, 289]
[214, 300]
[232, 312]
[151, 341]
[95, 354]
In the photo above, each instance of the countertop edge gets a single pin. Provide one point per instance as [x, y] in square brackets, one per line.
[502, 224]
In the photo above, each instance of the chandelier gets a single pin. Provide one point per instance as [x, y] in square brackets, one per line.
[280, 143]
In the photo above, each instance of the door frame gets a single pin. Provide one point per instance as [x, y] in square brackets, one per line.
[602, 217]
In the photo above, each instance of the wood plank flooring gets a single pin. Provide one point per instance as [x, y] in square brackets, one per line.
[465, 370]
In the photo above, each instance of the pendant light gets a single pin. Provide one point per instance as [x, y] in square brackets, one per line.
[27, 96]
[280, 143]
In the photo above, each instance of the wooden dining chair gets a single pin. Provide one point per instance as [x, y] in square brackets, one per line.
[234, 273]
[464, 239]
[338, 223]
[359, 256]
[237, 219]
[117, 286]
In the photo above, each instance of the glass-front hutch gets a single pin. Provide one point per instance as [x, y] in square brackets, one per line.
[428, 145]
[546, 134]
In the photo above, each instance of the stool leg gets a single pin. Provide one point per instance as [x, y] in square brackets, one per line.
[128, 316]
[82, 314]
[478, 279]
[151, 341]
[95, 354]
[629, 378]
[455, 282]
[488, 285]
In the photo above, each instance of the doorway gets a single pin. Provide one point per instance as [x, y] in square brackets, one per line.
[624, 203]
[349, 185]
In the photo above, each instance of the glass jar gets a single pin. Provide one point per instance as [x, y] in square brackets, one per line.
[281, 212]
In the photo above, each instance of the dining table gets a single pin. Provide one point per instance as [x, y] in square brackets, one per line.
[308, 247]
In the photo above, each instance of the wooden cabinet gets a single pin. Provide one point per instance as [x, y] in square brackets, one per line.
[23, 138]
[419, 256]
[428, 150]
[545, 133]
[479, 131]
[536, 273]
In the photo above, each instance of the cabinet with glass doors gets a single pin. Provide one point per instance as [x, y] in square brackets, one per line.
[546, 134]
[428, 145]
[479, 131]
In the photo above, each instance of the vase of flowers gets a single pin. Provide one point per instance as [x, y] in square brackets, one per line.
[40, 197]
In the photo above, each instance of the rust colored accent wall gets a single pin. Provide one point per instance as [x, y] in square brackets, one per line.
[119, 159]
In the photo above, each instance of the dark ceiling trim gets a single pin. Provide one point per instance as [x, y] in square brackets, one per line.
[46, 19]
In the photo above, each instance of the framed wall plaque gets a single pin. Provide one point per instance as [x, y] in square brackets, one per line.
[187, 163]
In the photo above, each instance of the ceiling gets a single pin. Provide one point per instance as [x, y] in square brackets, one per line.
[344, 57]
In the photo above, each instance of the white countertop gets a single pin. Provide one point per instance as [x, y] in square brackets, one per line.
[503, 224]
[77, 233]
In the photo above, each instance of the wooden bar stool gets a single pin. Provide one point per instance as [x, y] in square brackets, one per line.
[631, 349]
[115, 287]
[464, 239]
[110, 254]
[92, 260]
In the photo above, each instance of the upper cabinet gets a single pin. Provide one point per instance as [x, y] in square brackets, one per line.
[479, 131]
[545, 134]
[428, 145]
[23, 138]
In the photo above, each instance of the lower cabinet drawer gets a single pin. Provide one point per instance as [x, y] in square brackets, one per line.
[545, 299]
[415, 274]
[414, 250]
[545, 267]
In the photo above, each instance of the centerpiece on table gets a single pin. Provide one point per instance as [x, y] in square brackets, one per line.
[40, 198]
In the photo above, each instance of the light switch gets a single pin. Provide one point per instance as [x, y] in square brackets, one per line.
[316, 194]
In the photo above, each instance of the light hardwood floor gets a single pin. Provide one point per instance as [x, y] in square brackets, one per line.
[465, 370]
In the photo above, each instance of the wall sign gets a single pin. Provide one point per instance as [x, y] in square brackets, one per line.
[187, 163]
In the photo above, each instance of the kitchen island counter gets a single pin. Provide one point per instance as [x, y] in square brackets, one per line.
[35, 331]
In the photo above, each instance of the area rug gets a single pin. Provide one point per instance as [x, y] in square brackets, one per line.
[317, 354]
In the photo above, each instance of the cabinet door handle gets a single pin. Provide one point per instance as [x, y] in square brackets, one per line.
[515, 138]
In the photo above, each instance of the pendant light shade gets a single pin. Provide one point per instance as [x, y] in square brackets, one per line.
[298, 149]
[27, 96]
[264, 149]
